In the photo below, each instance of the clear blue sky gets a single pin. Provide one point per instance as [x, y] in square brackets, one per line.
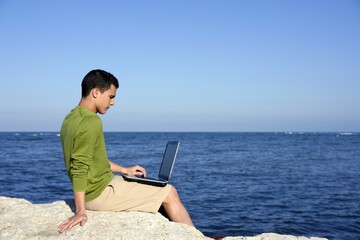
[225, 65]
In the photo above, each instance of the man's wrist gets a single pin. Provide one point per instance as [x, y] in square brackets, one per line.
[81, 211]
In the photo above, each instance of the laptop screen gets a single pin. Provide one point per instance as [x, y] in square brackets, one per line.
[168, 160]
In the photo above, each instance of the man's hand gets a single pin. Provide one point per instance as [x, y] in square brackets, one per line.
[136, 170]
[78, 218]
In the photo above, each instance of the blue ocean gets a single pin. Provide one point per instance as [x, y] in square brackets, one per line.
[233, 184]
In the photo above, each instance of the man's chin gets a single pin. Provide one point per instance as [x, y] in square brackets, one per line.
[103, 111]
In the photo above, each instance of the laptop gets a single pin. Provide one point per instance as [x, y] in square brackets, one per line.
[166, 168]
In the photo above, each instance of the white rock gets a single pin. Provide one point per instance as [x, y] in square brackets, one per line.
[19, 219]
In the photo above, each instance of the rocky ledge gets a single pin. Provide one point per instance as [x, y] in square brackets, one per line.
[20, 219]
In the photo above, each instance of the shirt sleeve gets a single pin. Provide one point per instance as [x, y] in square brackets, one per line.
[85, 141]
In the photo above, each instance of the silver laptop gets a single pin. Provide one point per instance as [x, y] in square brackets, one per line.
[165, 169]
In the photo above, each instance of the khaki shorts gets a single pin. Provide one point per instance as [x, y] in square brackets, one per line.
[121, 195]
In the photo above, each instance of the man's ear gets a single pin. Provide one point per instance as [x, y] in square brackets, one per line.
[95, 92]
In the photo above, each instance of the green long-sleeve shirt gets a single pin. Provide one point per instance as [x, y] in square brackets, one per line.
[84, 152]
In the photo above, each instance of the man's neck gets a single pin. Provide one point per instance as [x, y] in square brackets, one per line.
[86, 103]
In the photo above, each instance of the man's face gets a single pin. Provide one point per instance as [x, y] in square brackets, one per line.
[105, 100]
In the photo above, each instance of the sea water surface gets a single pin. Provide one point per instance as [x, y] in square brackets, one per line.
[233, 184]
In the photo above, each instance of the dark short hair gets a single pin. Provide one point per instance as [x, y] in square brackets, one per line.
[97, 79]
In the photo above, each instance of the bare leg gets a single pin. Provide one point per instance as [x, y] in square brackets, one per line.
[175, 209]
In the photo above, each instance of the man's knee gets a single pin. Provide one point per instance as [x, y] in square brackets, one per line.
[172, 196]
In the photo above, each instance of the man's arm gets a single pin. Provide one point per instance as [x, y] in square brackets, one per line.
[127, 171]
[80, 215]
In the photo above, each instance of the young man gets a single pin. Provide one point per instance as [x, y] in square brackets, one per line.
[89, 169]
